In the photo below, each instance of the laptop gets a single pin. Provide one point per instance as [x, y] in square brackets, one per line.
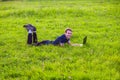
[85, 40]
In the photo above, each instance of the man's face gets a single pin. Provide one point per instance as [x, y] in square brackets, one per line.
[68, 34]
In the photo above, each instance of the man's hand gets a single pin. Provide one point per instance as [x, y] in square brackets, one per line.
[75, 44]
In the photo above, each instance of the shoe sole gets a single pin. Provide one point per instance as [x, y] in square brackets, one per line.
[29, 27]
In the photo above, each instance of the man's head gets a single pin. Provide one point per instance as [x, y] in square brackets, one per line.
[68, 33]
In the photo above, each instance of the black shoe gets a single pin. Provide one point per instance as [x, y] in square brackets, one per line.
[85, 40]
[29, 27]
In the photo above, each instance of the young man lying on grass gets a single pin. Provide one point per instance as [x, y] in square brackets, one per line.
[61, 40]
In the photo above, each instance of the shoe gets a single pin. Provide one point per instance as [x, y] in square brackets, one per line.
[85, 40]
[29, 27]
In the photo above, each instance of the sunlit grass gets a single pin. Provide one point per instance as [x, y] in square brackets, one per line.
[98, 59]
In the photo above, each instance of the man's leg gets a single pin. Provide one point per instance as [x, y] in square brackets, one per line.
[34, 37]
[31, 30]
[44, 42]
[29, 40]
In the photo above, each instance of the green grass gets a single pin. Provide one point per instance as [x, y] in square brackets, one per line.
[98, 60]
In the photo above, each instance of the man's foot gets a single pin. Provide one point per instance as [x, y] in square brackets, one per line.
[29, 27]
[85, 40]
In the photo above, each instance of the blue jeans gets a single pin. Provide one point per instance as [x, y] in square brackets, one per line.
[44, 42]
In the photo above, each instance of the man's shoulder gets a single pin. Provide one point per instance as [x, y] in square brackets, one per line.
[63, 35]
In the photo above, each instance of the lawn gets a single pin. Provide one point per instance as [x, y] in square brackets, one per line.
[99, 59]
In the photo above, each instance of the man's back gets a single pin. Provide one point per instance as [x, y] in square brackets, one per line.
[61, 39]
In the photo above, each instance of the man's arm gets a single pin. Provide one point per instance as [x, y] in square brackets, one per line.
[75, 44]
